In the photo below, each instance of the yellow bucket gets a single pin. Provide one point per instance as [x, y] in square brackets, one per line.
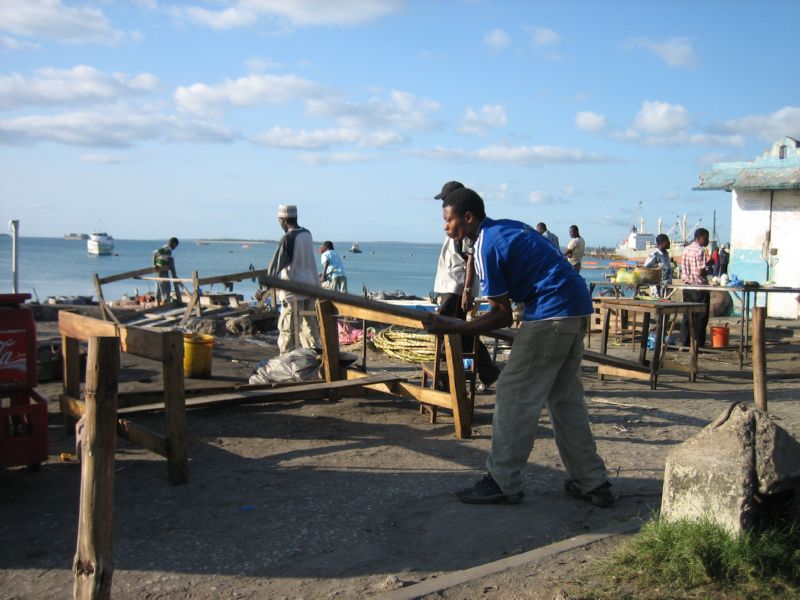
[198, 350]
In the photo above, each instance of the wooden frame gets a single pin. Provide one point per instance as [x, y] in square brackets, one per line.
[455, 399]
[662, 311]
[165, 347]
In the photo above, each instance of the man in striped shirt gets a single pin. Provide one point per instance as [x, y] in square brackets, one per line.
[165, 263]
[694, 271]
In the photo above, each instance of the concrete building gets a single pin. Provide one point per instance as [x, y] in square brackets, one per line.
[765, 220]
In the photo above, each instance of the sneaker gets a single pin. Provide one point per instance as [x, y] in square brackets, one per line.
[600, 496]
[486, 491]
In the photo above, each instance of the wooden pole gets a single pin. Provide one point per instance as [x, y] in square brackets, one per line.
[93, 566]
[175, 407]
[759, 359]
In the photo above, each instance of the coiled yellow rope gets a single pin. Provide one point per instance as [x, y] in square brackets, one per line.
[406, 345]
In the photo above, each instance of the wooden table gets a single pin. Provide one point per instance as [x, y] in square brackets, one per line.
[748, 298]
[662, 311]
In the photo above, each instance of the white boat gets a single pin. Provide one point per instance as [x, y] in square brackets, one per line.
[355, 249]
[76, 236]
[639, 245]
[100, 244]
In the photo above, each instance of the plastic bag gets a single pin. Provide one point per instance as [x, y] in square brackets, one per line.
[298, 365]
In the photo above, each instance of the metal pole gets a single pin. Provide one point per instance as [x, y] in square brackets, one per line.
[13, 225]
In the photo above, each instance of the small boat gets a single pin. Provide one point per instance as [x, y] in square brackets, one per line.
[76, 236]
[100, 244]
[355, 249]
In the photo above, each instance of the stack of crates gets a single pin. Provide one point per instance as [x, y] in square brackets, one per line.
[23, 411]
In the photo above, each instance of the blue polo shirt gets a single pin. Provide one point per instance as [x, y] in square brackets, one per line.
[512, 258]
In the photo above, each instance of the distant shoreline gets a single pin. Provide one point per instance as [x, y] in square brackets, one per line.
[232, 241]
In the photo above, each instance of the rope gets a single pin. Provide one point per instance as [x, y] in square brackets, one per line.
[405, 345]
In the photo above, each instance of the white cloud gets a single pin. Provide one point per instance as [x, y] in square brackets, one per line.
[80, 85]
[479, 123]
[117, 128]
[400, 110]
[259, 65]
[281, 137]
[300, 13]
[542, 36]
[661, 117]
[251, 90]
[335, 158]
[52, 19]
[769, 127]
[11, 43]
[676, 51]
[590, 121]
[529, 156]
[537, 197]
[496, 40]
[102, 159]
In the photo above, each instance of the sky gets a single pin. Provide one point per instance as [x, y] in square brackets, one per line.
[158, 118]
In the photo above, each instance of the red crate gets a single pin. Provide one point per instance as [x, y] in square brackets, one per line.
[23, 430]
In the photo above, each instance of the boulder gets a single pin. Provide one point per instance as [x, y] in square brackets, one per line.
[740, 471]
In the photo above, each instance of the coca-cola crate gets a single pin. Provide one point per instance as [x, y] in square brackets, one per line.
[17, 343]
[23, 430]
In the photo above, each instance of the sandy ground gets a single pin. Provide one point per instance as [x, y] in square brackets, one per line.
[354, 498]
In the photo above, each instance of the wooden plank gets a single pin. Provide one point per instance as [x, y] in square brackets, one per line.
[622, 372]
[82, 328]
[297, 392]
[144, 437]
[329, 335]
[134, 340]
[377, 315]
[126, 275]
[462, 411]
[93, 566]
[71, 355]
[175, 407]
[613, 361]
[235, 277]
[400, 387]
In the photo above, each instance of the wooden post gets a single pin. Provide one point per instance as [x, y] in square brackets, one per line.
[71, 356]
[93, 566]
[462, 413]
[759, 359]
[329, 337]
[175, 407]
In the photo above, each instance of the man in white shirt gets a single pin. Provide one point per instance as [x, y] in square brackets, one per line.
[575, 248]
[295, 260]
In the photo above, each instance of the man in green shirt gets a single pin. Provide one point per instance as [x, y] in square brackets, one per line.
[163, 261]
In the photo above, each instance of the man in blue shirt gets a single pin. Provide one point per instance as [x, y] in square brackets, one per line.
[333, 274]
[515, 263]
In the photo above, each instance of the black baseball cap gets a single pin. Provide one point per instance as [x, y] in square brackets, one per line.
[448, 188]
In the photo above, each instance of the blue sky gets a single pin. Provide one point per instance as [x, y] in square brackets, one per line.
[153, 118]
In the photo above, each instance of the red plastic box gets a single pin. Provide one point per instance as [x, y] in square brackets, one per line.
[23, 430]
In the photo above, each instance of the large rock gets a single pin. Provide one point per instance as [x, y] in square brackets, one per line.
[738, 471]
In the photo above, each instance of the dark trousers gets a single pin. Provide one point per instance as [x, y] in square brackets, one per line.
[450, 306]
[700, 321]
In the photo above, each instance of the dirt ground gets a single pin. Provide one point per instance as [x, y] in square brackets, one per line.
[354, 498]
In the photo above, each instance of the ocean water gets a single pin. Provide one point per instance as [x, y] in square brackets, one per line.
[58, 267]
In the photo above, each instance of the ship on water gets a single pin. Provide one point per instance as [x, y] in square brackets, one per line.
[76, 236]
[639, 244]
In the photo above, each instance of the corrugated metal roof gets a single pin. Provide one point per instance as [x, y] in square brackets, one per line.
[777, 169]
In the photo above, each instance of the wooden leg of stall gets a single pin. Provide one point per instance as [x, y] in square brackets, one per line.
[93, 566]
[462, 413]
[71, 355]
[175, 408]
[329, 337]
